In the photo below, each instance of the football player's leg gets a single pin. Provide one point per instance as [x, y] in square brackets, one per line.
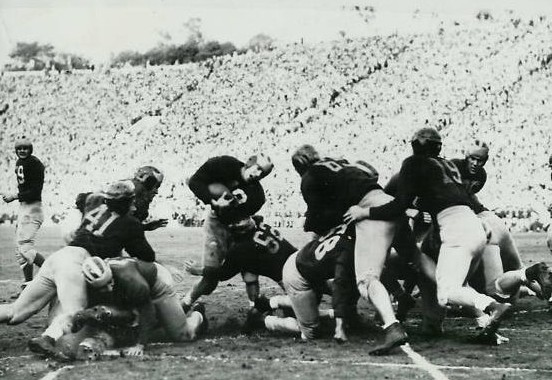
[373, 240]
[304, 301]
[500, 235]
[252, 287]
[171, 315]
[31, 300]
[463, 240]
[29, 221]
[217, 241]
[71, 289]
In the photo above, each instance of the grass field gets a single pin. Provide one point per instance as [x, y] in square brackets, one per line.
[224, 353]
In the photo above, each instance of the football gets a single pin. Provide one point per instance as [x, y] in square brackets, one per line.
[218, 189]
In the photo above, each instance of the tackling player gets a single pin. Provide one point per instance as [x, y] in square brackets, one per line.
[104, 232]
[438, 187]
[30, 181]
[330, 187]
[120, 285]
[233, 191]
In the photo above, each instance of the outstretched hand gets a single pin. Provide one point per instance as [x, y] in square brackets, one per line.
[193, 268]
[137, 350]
[9, 198]
[155, 224]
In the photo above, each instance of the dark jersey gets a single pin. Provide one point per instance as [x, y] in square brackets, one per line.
[431, 184]
[104, 233]
[262, 251]
[249, 196]
[331, 256]
[131, 278]
[330, 187]
[472, 182]
[30, 179]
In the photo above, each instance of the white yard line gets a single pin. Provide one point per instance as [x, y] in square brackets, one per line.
[52, 375]
[422, 362]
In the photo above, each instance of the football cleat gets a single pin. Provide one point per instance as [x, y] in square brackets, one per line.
[395, 336]
[490, 339]
[542, 275]
[43, 345]
[200, 308]
[497, 311]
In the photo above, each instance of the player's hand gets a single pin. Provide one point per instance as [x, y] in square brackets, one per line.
[412, 213]
[155, 224]
[224, 201]
[193, 268]
[356, 213]
[22, 260]
[137, 350]
[9, 198]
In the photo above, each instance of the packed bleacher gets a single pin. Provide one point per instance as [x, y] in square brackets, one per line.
[358, 98]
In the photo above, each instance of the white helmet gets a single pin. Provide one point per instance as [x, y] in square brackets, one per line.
[96, 272]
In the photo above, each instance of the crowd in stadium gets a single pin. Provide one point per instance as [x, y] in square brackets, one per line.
[359, 98]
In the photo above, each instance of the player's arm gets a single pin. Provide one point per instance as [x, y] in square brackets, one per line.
[404, 197]
[146, 323]
[255, 200]
[137, 245]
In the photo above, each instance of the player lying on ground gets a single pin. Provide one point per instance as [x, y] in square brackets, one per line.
[491, 279]
[330, 187]
[233, 192]
[125, 288]
[105, 231]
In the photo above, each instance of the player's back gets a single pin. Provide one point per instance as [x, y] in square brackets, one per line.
[104, 233]
[436, 181]
[317, 260]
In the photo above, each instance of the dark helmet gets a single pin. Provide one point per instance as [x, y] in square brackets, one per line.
[149, 176]
[426, 141]
[119, 196]
[304, 157]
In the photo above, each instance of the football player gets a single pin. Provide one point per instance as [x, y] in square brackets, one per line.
[305, 276]
[438, 187]
[146, 180]
[29, 172]
[257, 248]
[105, 231]
[120, 285]
[233, 192]
[329, 187]
[474, 177]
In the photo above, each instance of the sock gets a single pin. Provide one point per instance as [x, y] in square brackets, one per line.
[390, 323]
